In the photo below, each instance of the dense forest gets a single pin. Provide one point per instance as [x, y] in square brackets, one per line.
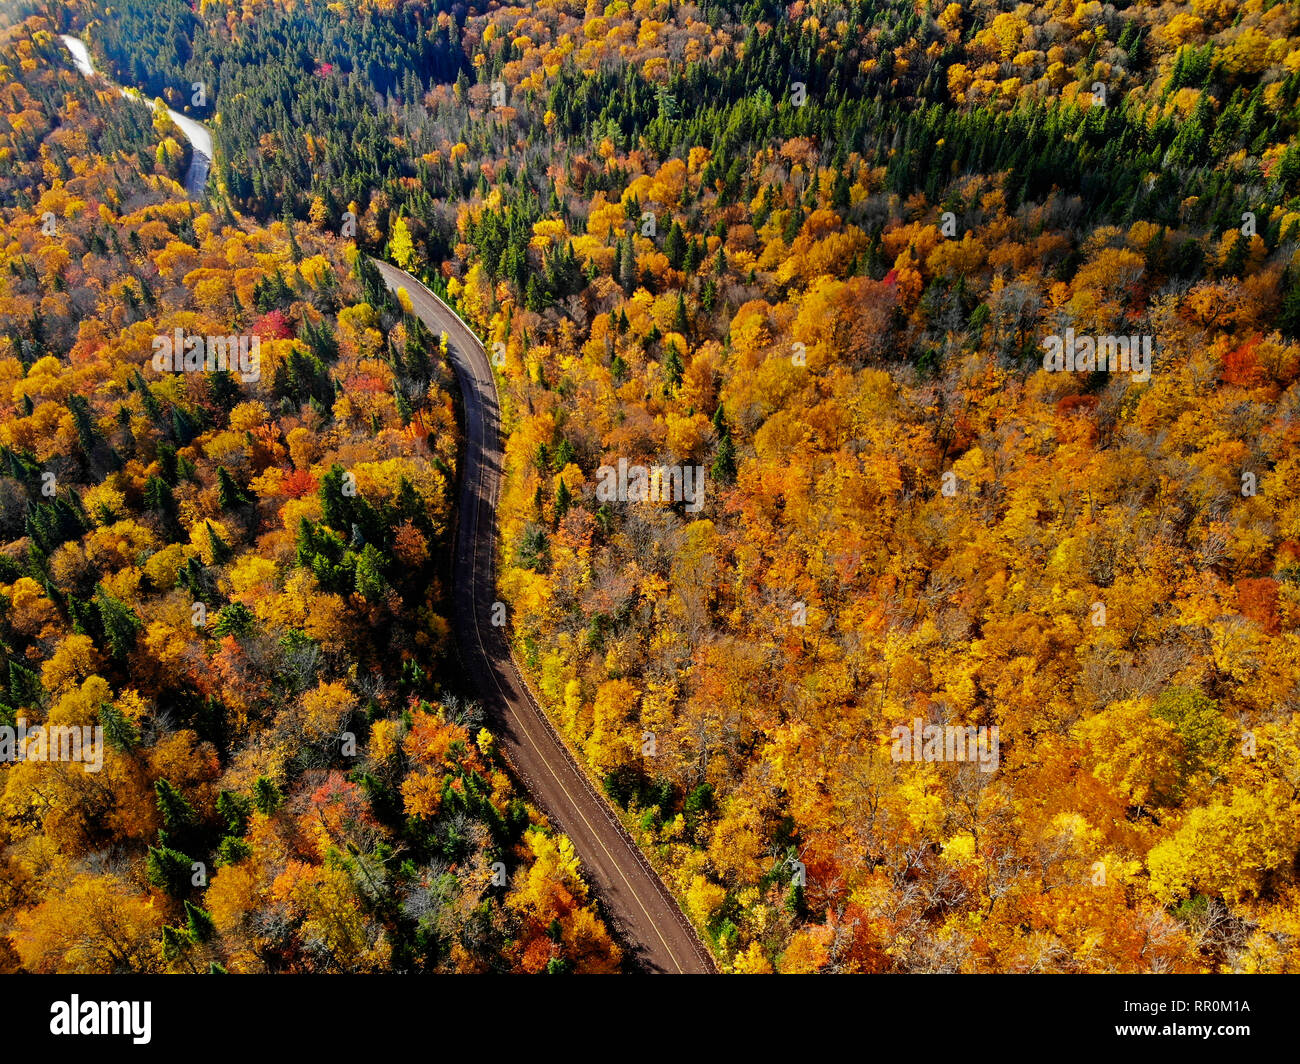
[817, 250]
[239, 580]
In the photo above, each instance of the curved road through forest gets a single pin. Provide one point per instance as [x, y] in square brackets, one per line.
[196, 177]
[645, 914]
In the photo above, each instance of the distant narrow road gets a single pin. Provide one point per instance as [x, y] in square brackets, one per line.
[196, 177]
[636, 899]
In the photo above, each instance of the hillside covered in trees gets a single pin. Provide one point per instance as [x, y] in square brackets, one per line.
[239, 580]
[817, 250]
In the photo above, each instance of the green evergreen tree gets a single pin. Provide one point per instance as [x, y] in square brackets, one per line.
[229, 493]
[673, 367]
[176, 941]
[336, 508]
[221, 550]
[370, 582]
[235, 619]
[199, 923]
[119, 732]
[723, 469]
[266, 796]
[169, 870]
[119, 624]
[675, 245]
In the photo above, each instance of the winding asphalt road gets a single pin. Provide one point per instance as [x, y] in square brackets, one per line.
[196, 177]
[645, 913]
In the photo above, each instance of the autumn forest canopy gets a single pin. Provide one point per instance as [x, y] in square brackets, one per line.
[817, 254]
